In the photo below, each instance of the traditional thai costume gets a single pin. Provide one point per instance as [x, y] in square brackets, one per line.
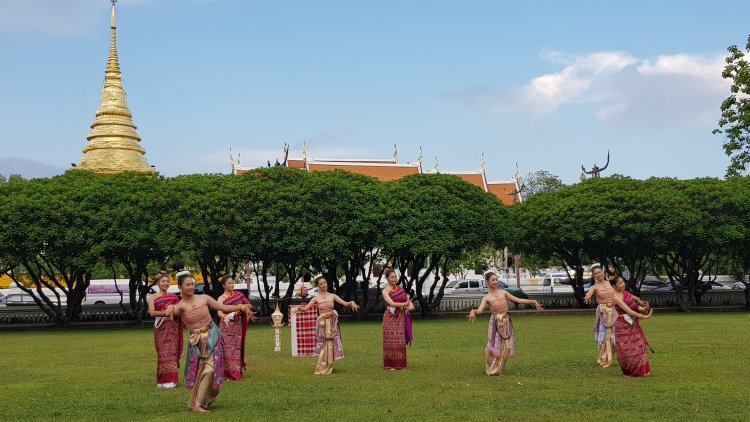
[204, 363]
[396, 331]
[501, 339]
[168, 341]
[631, 342]
[235, 333]
[328, 345]
[606, 316]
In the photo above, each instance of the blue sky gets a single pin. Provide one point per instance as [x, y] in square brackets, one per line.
[548, 84]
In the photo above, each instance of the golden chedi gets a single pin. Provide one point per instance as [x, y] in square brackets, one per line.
[114, 145]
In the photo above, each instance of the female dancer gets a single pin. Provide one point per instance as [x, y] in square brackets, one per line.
[327, 333]
[396, 323]
[204, 363]
[501, 339]
[167, 334]
[606, 315]
[631, 342]
[234, 329]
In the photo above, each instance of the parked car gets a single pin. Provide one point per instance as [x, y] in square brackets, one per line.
[738, 285]
[668, 286]
[19, 299]
[655, 284]
[471, 287]
[467, 287]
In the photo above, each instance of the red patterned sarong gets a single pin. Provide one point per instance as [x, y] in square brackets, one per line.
[235, 333]
[394, 332]
[303, 330]
[168, 341]
[631, 343]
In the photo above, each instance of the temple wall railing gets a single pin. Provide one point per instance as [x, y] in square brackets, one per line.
[108, 313]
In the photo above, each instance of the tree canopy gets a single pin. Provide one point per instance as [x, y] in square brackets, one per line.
[735, 110]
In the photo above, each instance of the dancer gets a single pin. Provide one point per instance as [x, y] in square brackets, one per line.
[167, 334]
[631, 342]
[234, 329]
[606, 315]
[501, 339]
[328, 345]
[204, 363]
[396, 323]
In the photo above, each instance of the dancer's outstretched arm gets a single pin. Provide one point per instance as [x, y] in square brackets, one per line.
[510, 297]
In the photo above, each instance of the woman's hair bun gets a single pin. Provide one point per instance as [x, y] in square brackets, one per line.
[178, 266]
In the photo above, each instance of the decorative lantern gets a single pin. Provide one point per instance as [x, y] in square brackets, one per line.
[277, 316]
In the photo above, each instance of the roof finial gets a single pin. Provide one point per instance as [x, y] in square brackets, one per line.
[484, 164]
[304, 151]
[437, 165]
[395, 152]
[113, 13]
[231, 159]
[421, 156]
[518, 173]
[238, 159]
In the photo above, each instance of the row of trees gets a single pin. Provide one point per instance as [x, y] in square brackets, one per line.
[58, 232]
[687, 230]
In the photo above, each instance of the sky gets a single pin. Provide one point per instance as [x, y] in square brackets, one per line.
[550, 85]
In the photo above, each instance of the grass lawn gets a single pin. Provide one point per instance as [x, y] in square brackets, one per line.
[701, 371]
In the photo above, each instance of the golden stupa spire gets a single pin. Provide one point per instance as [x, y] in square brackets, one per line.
[113, 142]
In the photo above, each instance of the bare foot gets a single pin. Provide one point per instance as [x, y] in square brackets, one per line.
[199, 409]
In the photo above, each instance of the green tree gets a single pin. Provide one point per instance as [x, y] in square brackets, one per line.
[739, 195]
[275, 226]
[135, 232]
[48, 227]
[541, 181]
[431, 220]
[735, 110]
[621, 215]
[549, 224]
[203, 216]
[349, 211]
[700, 229]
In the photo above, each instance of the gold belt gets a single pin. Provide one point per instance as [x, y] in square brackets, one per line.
[200, 330]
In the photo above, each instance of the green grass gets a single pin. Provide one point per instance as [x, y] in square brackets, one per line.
[700, 372]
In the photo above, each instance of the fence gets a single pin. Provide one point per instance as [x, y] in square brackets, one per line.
[105, 313]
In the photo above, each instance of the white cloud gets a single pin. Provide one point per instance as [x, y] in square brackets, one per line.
[674, 91]
[669, 91]
[704, 67]
[574, 83]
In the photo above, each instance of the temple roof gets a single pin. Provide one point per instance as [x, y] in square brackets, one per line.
[502, 189]
[391, 169]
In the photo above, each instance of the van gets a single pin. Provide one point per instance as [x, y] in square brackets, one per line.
[107, 292]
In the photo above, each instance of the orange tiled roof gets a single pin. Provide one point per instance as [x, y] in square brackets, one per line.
[384, 172]
[501, 189]
[296, 163]
[476, 178]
